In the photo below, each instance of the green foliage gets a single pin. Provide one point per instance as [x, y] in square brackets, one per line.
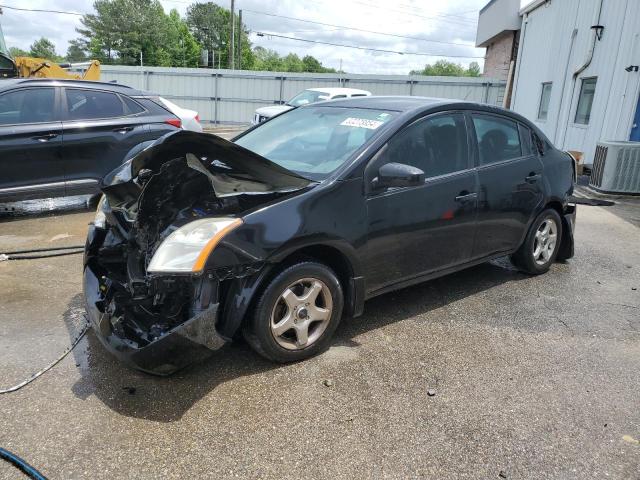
[209, 23]
[44, 48]
[76, 52]
[120, 30]
[18, 52]
[445, 68]
[269, 60]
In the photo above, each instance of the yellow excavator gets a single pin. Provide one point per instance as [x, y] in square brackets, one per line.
[31, 67]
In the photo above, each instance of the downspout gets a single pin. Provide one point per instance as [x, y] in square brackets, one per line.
[597, 28]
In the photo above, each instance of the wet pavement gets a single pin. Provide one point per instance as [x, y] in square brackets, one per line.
[532, 377]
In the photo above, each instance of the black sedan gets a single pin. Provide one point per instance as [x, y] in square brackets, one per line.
[301, 219]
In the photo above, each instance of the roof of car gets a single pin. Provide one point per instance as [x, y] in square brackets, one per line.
[10, 83]
[338, 90]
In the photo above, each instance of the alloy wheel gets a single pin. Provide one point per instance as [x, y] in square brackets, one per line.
[301, 314]
[545, 241]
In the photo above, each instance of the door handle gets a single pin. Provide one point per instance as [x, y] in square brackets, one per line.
[123, 130]
[45, 138]
[466, 197]
[532, 177]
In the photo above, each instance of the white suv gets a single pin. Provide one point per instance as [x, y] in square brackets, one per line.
[305, 97]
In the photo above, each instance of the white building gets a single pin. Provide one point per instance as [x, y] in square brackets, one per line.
[576, 72]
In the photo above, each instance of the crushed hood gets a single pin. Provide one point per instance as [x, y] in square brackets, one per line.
[218, 156]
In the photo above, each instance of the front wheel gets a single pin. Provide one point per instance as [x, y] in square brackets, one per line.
[296, 314]
[541, 245]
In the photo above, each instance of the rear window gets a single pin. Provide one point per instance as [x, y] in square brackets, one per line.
[132, 106]
[498, 138]
[93, 104]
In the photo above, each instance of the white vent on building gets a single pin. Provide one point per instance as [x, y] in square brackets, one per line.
[616, 167]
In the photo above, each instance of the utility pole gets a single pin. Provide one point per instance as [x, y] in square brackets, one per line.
[232, 36]
[239, 40]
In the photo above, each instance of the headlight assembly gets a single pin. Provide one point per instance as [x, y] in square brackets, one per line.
[186, 250]
[100, 221]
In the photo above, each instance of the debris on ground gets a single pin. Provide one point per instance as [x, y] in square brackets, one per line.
[431, 392]
[328, 382]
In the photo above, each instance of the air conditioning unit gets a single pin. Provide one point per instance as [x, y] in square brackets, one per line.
[616, 168]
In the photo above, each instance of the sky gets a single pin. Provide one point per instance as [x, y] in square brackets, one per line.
[445, 28]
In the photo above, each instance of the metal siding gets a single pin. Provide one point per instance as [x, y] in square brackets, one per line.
[239, 93]
[545, 56]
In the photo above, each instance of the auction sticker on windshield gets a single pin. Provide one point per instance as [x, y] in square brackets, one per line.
[361, 123]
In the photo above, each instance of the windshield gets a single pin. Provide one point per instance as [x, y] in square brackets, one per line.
[314, 141]
[308, 96]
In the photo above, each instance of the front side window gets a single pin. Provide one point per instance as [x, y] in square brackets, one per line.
[498, 138]
[585, 101]
[92, 104]
[314, 141]
[545, 97]
[29, 105]
[436, 145]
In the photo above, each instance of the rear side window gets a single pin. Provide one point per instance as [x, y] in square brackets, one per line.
[498, 139]
[28, 105]
[132, 106]
[436, 145]
[91, 104]
[358, 95]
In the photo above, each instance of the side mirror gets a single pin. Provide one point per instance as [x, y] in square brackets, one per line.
[398, 175]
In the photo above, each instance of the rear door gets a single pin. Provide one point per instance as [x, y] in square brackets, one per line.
[30, 142]
[99, 129]
[511, 187]
[423, 229]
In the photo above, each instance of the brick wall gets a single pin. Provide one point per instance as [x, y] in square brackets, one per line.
[499, 55]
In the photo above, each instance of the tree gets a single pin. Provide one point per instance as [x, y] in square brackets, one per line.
[446, 68]
[76, 52]
[473, 70]
[184, 50]
[18, 52]
[121, 30]
[44, 48]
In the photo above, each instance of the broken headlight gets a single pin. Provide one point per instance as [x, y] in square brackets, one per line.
[187, 249]
[100, 221]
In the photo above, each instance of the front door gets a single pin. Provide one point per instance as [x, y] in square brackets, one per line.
[30, 142]
[418, 230]
[510, 178]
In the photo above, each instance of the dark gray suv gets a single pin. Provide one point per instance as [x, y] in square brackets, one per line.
[60, 137]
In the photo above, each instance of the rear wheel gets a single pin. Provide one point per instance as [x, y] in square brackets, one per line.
[296, 314]
[541, 245]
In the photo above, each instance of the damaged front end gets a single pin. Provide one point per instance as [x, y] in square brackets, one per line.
[151, 291]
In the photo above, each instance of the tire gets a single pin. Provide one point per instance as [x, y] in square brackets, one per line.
[306, 296]
[531, 260]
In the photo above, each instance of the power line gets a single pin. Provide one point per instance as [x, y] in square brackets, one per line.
[468, 22]
[42, 10]
[263, 34]
[355, 28]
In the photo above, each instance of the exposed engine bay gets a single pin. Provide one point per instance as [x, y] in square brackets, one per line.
[140, 211]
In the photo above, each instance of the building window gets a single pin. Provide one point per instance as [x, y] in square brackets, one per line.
[587, 91]
[545, 96]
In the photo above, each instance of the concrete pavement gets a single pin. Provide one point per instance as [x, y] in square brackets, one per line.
[534, 377]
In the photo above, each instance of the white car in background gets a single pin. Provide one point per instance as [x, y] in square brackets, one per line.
[305, 97]
[188, 118]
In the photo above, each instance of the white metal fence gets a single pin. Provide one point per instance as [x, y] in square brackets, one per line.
[231, 96]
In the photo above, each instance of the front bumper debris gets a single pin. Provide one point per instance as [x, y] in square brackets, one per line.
[186, 343]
